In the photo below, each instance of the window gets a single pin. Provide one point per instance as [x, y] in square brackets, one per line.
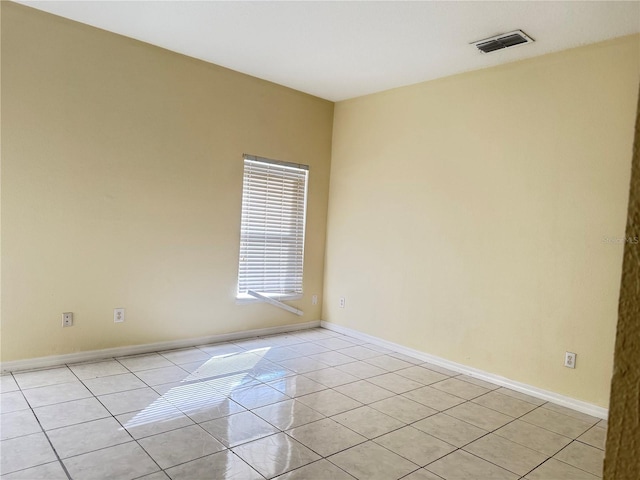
[274, 199]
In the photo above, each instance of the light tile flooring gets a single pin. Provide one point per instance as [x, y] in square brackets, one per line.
[307, 405]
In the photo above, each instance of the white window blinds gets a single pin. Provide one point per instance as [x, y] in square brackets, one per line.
[274, 199]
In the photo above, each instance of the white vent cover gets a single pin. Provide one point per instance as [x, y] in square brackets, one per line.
[504, 40]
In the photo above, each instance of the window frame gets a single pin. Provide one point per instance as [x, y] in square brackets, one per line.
[243, 297]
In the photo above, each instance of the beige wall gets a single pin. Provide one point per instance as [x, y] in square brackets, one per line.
[467, 215]
[122, 183]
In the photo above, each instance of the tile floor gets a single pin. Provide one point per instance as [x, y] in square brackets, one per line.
[312, 404]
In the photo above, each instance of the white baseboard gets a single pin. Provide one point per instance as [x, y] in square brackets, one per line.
[54, 360]
[547, 395]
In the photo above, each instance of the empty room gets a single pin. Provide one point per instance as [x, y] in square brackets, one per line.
[319, 240]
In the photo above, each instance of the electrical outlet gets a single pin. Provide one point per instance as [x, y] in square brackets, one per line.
[67, 319]
[342, 302]
[314, 299]
[570, 359]
[118, 315]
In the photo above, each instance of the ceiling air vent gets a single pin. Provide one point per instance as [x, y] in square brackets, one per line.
[504, 40]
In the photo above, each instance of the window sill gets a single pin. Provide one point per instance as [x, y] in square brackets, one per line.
[243, 298]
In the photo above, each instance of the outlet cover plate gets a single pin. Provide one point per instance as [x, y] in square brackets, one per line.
[67, 319]
[118, 315]
[570, 359]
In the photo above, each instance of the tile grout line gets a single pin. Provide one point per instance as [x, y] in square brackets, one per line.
[93, 395]
[462, 448]
[118, 422]
[567, 463]
[466, 401]
[55, 452]
[178, 428]
[266, 380]
[316, 461]
[517, 418]
[371, 439]
[229, 449]
[330, 418]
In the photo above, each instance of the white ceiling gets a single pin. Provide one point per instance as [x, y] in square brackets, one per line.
[337, 49]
